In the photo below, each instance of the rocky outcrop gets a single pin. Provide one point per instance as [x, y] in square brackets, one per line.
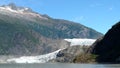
[68, 55]
[108, 48]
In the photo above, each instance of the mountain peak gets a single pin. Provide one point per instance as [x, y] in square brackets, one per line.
[22, 11]
[13, 7]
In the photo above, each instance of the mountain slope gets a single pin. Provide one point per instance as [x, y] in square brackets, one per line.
[24, 32]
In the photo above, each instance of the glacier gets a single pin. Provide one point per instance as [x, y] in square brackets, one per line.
[34, 59]
[47, 57]
[81, 42]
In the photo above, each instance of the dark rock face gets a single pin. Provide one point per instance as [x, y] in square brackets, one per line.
[108, 47]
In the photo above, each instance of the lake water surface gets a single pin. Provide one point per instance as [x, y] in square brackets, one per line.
[59, 65]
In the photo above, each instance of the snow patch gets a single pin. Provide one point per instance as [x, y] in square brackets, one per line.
[81, 42]
[35, 59]
[21, 11]
[8, 8]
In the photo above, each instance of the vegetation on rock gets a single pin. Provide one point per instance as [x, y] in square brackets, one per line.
[85, 58]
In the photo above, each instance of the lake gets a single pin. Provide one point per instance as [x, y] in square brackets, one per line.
[59, 65]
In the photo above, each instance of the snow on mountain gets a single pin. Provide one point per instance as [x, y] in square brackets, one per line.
[8, 8]
[34, 59]
[81, 42]
[20, 10]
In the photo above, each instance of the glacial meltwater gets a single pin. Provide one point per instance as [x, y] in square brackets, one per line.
[59, 65]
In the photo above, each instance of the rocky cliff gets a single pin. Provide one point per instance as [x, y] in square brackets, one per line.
[107, 48]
